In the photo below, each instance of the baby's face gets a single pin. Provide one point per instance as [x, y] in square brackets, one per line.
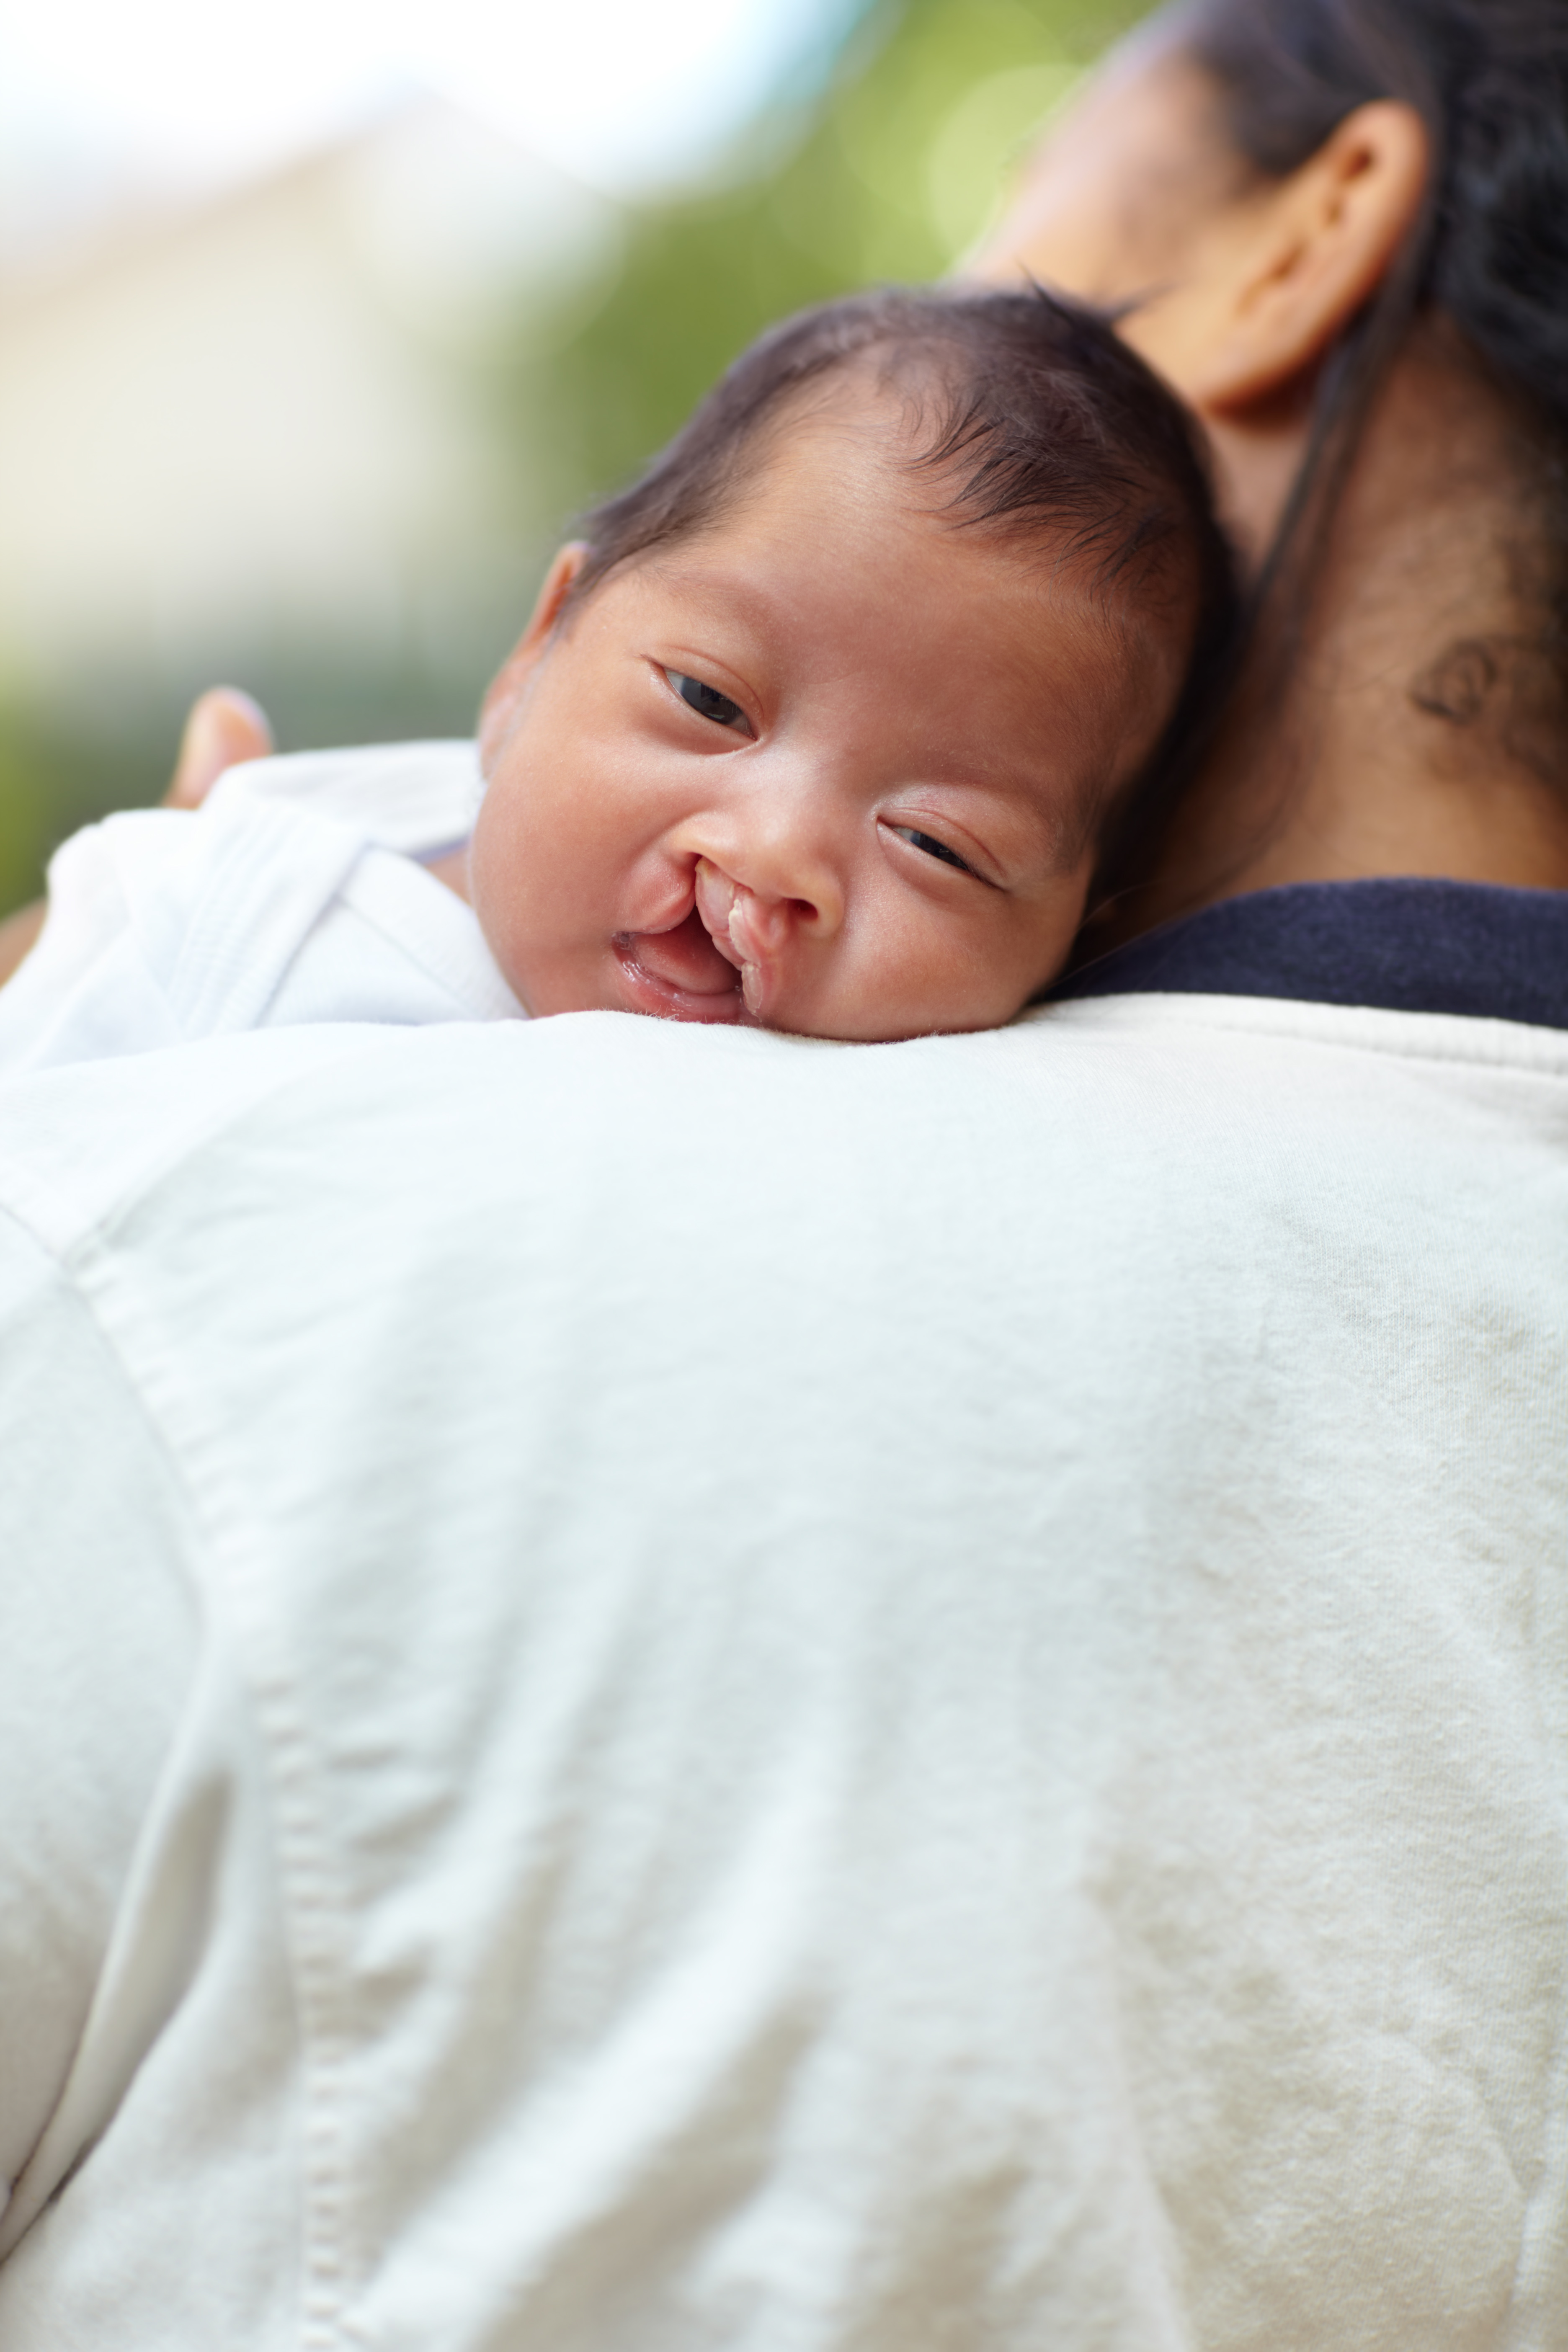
[824, 767]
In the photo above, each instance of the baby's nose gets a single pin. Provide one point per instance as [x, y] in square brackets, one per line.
[751, 931]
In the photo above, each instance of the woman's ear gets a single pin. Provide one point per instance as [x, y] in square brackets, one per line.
[1298, 260]
[504, 694]
[1277, 275]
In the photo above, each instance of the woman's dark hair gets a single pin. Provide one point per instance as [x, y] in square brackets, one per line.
[1038, 420]
[1489, 79]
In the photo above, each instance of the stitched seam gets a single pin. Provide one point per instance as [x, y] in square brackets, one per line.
[300, 1859]
[277, 856]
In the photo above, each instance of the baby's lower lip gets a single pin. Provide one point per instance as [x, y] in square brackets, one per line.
[679, 974]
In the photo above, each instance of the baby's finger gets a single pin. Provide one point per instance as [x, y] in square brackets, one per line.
[17, 935]
[225, 728]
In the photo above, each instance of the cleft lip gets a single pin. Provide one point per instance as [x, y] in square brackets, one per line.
[718, 902]
[741, 929]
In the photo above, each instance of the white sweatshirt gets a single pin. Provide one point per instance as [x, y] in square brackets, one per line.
[669, 1690]
[297, 894]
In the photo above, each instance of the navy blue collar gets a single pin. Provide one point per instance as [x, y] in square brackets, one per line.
[1408, 946]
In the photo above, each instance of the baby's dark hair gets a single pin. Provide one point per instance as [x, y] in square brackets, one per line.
[1046, 426]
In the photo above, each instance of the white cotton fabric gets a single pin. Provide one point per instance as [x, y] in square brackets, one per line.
[296, 894]
[807, 1698]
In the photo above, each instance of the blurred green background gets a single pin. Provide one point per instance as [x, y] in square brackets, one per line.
[887, 166]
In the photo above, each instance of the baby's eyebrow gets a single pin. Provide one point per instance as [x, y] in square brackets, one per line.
[741, 594]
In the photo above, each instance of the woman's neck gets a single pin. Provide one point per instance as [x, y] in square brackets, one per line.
[1418, 726]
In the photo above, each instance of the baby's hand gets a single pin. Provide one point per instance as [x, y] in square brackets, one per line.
[225, 729]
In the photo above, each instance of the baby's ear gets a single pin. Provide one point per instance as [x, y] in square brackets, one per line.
[506, 689]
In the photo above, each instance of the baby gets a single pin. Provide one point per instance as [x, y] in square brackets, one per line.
[827, 725]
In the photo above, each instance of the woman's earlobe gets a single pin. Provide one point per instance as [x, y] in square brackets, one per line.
[1314, 251]
[506, 690]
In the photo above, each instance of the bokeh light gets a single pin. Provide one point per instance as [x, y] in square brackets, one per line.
[621, 93]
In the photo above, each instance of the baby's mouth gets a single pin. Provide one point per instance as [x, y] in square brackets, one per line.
[680, 973]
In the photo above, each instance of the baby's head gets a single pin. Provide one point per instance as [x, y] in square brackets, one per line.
[825, 724]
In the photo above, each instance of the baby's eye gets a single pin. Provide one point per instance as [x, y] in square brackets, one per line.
[932, 847]
[707, 702]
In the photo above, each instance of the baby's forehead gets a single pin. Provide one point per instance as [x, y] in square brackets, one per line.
[837, 529]
[840, 467]
[864, 443]
[840, 505]
[859, 422]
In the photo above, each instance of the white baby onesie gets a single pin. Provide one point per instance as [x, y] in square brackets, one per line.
[297, 894]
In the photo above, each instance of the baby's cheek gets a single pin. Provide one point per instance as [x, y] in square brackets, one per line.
[1058, 926]
[532, 903]
[500, 880]
[1024, 954]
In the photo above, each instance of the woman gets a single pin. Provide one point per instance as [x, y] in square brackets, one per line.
[899, 1698]
[1338, 231]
